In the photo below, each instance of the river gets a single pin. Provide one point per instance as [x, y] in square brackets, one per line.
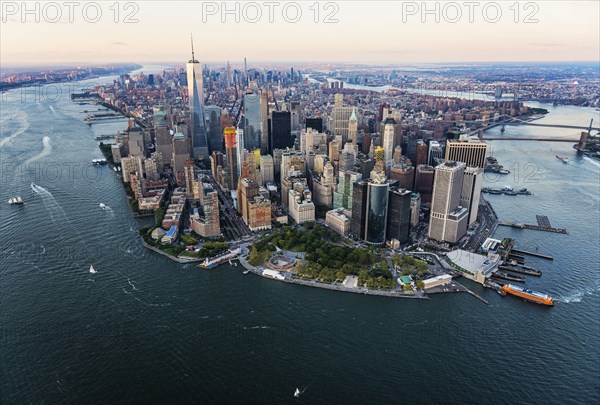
[147, 330]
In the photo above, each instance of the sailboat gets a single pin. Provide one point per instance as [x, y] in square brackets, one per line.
[16, 200]
[92, 271]
[297, 393]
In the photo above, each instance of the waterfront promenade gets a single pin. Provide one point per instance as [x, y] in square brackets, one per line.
[175, 259]
[288, 278]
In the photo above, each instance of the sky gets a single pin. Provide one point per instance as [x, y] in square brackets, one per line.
[361, 32]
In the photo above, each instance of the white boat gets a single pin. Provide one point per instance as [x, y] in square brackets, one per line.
[92, 271]
[101, 205]
[16, 200]
[297, 393]
[115, 168]
[246, 272]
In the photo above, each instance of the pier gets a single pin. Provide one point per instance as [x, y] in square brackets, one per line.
[480, 298]
[543, 224]
[521, 269]
[547, 257]
[506, 191]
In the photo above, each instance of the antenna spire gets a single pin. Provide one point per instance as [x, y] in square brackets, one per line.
[192, 40]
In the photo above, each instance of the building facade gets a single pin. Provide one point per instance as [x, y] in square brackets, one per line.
[448, 218]
[469, 150]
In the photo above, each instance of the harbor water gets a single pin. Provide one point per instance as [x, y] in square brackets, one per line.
[144, 329]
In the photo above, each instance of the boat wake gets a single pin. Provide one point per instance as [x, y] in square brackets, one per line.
[592, 161]
[47, 149]
[48, 199]
[57, 213]
[109, 210]
[578, 296]
[24, 127]
[131, 284]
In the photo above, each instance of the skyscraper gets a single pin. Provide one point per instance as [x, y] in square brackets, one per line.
[403, 173]
[359, 203]
[388, 140]
[163, 142]
[448, 219]
[180, 156]
[229, 74]
[264, 112]
[471, 191]
[421, 153]
[137, 142]
[207, 225]
[266, 168]
[424, 182]
[315, 123]
[295, 115]
[435, 152]
[190, 179]
[415, 208]
[239, 149]
[376, 210]
[252, 121]
[340, 116]
[353, 128]
[399, 214]
[232, 159]
[213, 126]
[196, 103]
[280, 132]
[342, 197]
[469, 150]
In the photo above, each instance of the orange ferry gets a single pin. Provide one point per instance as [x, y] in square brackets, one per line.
[529, 295]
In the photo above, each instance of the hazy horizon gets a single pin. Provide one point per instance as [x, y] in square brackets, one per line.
[236, 63]
[387, 33]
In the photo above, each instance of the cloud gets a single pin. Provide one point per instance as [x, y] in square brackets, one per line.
[119, 43]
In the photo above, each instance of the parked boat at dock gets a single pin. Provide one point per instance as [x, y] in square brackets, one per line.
[521, 269]
[511, 277]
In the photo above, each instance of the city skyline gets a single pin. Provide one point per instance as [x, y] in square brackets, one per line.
[403, 36]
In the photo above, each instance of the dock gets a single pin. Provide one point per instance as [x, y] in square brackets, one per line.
[532, 227]
[521, 269]
[547, 257]
[103, 137]
[507, 276]
[480, 298]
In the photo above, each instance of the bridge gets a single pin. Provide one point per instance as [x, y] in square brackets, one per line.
[508, 120]
[533, 139]
[517, 121]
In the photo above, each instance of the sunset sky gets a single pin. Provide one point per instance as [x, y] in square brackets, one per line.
[366, 32]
